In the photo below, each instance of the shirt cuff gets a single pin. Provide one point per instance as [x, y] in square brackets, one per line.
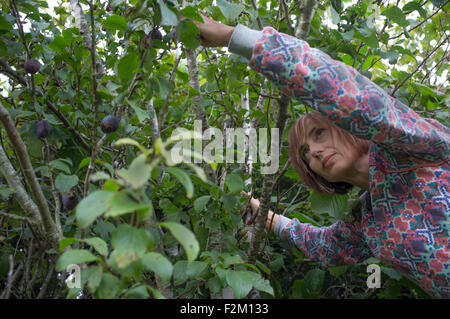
[243, 40]
[280, 225]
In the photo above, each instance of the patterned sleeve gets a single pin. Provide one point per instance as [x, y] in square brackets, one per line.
[335, 245]
[346, 97]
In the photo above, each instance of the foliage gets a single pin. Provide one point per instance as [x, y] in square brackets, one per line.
[146, 226]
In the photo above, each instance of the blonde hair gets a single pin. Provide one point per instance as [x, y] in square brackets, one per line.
[297, 137]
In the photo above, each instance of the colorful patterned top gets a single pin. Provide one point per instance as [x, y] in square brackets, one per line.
[405, 218]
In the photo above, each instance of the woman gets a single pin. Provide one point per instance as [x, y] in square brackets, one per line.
[358, 135]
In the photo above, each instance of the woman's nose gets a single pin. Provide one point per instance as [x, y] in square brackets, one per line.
[316, 150]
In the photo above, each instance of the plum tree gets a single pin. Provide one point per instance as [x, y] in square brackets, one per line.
[187, 222]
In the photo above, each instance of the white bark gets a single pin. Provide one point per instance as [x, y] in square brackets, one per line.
[83, 26]
[309, 8]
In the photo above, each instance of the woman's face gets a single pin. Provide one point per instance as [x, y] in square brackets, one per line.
[326, 154]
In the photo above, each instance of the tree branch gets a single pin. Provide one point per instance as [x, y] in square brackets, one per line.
[26, 203]
[308, 10]
[6, 69]
[191, 57]
[30, 177]
[421, 22]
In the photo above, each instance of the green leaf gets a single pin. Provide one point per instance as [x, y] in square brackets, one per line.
[391, 272]
[391, 55]
[138, 173]
[192, 13]
[63, 243]
[159, 264]
[195, 268]
[185, 237]
[184, 179]
[109, 287]
[94, 276]
[234, 183]
[58, 44]
[396, 14]
[61, 165]
[127, 67]
[141, 114]
[230, 10]
[335, 18]
[263, 285]
[338, 271]
[168, 17]
[98, 244]
[74, 256]
[4, 24]
[115, 22]
[312, 283]
[139, 292]
[438, 3]
[411, 6]
[229, 202]
[92, 206]
[200, 203]
[189, 34]
[179, 272]
[241, 282]
[130, 244]
[64, 182]
[368, 36]
[334, 205]
[231, 260]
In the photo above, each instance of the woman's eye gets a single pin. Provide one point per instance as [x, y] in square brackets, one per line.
[305, 152]
[320, 133]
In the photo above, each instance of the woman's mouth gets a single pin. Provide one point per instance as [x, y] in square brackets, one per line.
[327, 160]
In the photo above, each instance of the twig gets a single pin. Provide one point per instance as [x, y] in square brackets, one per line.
[163, 110]
[95, 148]
[54, 191]
[11, 279]
[421, 22]
[258, 19]
[46, 281]
[5, 68]
[13, 216]
[67, 124]
[26, 273]
[288, 22]
[424, 60]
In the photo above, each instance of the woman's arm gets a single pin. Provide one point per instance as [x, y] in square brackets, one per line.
[347, 98]
[338, 91]
[339, 244]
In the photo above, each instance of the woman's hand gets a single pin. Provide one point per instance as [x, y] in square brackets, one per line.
[213, 33]
[254, 203]
[271, 217]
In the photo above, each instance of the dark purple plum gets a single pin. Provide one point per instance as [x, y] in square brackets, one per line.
[32, 66]
[157, 35]
[109, 124]
[42, 129]
[69, 200]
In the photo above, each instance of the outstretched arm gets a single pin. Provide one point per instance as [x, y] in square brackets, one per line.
[339, 244]
[345, 97]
